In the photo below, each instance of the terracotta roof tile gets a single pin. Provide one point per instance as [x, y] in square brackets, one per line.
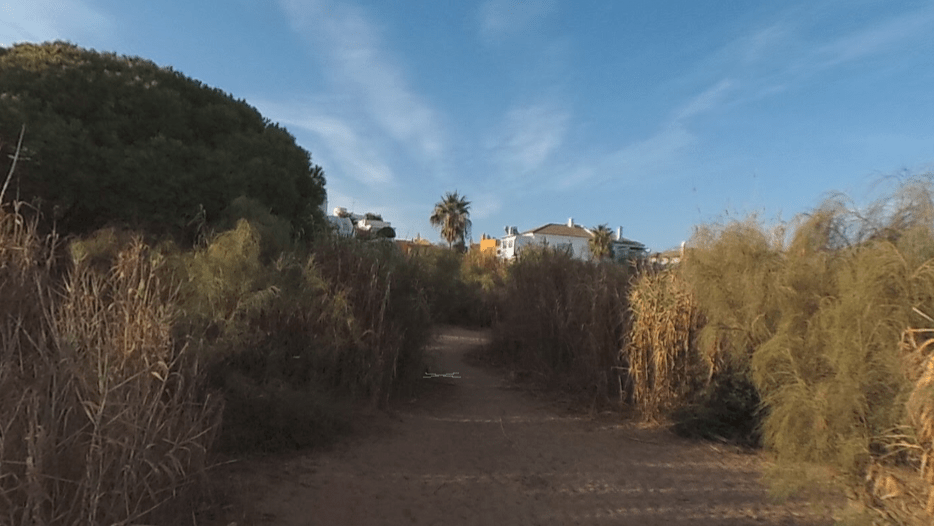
[553, 229]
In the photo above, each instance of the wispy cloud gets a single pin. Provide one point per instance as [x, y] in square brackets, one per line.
[485, 204]
[656, 157]
[705, 101]
[359, 64]
[806, 42]
[43, 20]
[499, 18]
[528, 137]
[884, 36]
[359, 157]
[762, 43]
[652, 159]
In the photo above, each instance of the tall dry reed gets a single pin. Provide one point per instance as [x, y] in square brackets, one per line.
[664, 362]
[105, 418]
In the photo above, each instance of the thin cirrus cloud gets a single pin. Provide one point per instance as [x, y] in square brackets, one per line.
[360, 158]
[359, 65]
[43, 20]
[500, 18]
[760, 64]
[650, 159]
[797, 48]
[528, 138]
[655, 157]
[895, 32]
[705, 101]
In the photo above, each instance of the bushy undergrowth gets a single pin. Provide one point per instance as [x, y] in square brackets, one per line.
[460, 288]
[830, 323]
[104, 415]
[567, 320]
[293, 340]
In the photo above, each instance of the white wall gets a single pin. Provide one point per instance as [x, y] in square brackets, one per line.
[510, 246]
[579, 245]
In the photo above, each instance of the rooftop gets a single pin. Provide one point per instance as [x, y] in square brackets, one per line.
[553, 229]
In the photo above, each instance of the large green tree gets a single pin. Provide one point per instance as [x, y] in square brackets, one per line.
[601, 242]
[452, 216]
[119, 140]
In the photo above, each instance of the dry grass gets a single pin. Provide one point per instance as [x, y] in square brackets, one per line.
[664, 362]
[566, 321]
[919, 344]
[899, 484]
[813, 312]
[104, 415]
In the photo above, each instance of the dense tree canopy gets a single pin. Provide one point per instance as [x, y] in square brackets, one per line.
[115, 139]
[452, 216]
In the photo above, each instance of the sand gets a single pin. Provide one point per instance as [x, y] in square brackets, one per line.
[476, 450]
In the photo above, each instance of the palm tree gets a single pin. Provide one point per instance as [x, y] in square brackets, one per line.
[452, 215]
[601, 242]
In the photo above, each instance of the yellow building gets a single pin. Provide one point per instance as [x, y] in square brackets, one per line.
[488, 244]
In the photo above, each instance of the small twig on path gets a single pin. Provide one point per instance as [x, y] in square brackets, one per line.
[512, 443]
[634, 439]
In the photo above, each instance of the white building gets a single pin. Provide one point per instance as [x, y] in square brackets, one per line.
[569, 237]
[348, 224]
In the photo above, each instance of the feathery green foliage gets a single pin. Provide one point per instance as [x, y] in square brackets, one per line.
[816, 321]
[458, 287]
[293, 340]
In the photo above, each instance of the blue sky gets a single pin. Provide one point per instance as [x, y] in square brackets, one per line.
[654, 116]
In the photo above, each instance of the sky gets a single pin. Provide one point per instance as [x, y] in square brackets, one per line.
[654, 116]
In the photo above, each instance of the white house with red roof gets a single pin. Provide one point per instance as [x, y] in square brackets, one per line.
[573, 238]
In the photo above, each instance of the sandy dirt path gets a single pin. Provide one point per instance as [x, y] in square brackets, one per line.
[473, 450]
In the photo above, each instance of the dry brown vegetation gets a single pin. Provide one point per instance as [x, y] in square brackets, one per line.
[663, 363]
[105, 417]
[565, 321]
[812, 338]
[124, 367]
[828, 318]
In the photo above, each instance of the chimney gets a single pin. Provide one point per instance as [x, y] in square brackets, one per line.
[571, 222]
[619, 233]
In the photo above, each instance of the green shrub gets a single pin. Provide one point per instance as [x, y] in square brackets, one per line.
[345, 320]
[118, 140]
[818, 323]
[279, 416]
[565, 319]
[459, 287]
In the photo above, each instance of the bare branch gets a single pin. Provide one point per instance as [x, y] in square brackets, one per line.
[19, 146]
